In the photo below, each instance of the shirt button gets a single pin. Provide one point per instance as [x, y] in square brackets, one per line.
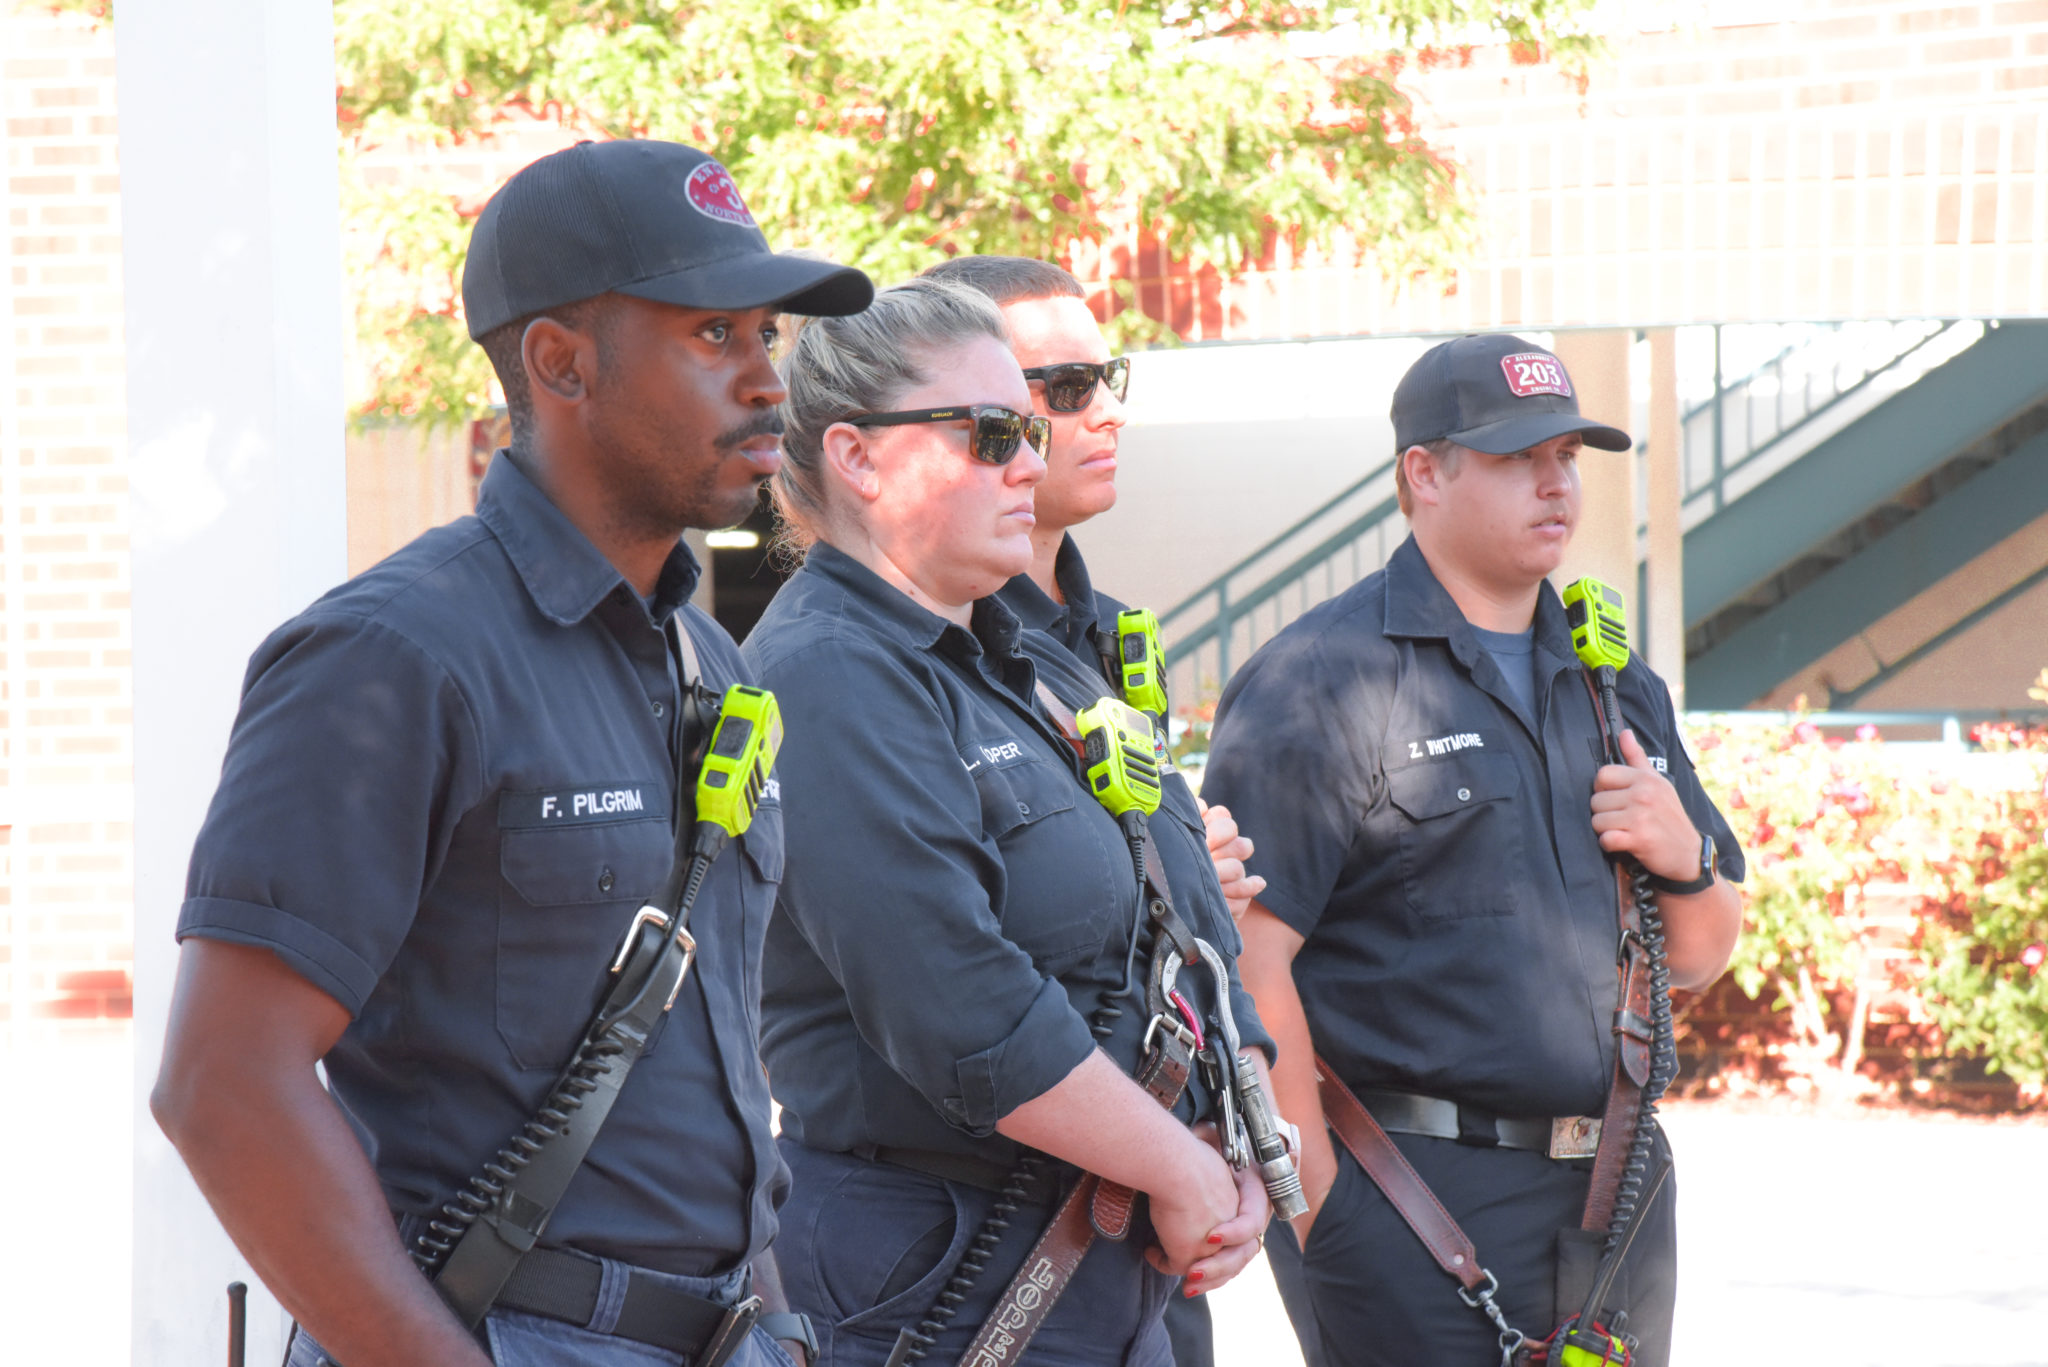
[1464, 794]
[659, 709]
[1023, 809]
[605, 881]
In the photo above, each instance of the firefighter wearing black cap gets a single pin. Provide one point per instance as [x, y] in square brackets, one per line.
[450, 793]
[1419, 766]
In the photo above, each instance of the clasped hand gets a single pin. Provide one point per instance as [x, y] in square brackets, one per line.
[1209, 1231]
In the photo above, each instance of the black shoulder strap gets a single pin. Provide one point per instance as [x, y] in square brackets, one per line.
[478, 1239]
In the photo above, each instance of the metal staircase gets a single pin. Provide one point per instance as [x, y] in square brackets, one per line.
[1840, 474]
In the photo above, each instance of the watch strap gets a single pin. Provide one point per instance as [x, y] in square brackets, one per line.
[1701, 883]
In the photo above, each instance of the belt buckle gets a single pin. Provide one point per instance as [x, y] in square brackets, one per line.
[732, 1332]
[1574, 1136]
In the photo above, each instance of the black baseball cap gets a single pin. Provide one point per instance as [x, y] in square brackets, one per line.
[1492, 392]
[655, 220]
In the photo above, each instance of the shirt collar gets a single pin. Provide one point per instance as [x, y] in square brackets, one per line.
[1419, 605]
[1036, 608]
[874, 602]
[564, 573]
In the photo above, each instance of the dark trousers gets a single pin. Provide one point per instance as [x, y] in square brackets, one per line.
[865, 1248]
[1190, 1330]
[1367, 1294]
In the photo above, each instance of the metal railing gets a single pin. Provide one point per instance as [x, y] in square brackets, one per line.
[1803, 381]
[1333, 547]
[1724, 438]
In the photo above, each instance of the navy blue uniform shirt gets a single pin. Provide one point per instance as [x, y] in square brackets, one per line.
[448, 790]
[1431, 839]
[1068, 642]
[956, 900]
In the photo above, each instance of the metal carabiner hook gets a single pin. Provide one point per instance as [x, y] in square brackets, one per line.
[1237, 1149]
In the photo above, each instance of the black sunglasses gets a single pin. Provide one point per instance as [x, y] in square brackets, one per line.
[997, 431]
[1070, 385]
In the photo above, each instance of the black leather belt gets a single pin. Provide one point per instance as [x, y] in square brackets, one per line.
[1407, 1113]
[564, 1286]
[969, 1171]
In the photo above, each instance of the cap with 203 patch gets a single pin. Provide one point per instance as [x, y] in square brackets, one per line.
[656, 220]
[1492, 392]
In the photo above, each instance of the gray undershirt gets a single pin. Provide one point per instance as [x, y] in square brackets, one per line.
[1514, 652]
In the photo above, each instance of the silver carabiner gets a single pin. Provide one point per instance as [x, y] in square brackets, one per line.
[1237, 1149]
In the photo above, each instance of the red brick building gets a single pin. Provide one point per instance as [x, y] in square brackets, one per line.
[1813, 159]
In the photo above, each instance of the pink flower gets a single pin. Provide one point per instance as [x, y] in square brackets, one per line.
[2032, 955]
[1806, 733]
[1866, 732]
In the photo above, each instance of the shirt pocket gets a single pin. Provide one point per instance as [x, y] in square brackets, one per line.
[1059, 893]
[1461, 846]
[567, 896]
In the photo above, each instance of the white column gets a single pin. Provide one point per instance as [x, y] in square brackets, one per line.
[1666, 608]
[1605, 542]
[232, 257]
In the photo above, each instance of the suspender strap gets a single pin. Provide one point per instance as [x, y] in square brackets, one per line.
[1633, 1035]
[1094, 1206]
[497, 1220]
[1403, 1187]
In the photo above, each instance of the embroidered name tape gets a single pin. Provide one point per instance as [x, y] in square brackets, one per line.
[1535, 372]
[1436, 747]
[990, 754]
[585, 806]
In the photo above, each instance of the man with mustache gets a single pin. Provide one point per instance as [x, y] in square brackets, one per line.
[451, 787]
[1420, 766]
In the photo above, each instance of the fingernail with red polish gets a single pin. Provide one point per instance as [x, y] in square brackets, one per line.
[1194, 1276]
[1215, 1238]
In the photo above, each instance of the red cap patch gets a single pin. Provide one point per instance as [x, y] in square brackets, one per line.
[1535, 372]
[712, 194]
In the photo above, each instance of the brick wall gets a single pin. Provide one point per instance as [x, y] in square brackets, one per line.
[66, 867]
[1810, 159]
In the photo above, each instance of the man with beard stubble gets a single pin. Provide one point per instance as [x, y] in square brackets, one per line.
[450, 787]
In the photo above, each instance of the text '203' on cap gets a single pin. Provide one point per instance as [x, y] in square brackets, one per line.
[655, 220]
[1495, 393]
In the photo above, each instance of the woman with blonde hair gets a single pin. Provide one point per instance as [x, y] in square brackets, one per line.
[952, 1012]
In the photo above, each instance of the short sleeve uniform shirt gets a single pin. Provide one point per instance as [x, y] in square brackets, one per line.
[1068, 642]
[1429, 835]
[447, 792]
[957, 903]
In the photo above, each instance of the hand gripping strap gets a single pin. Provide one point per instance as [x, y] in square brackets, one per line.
[1403, 1187]
[1632, 1038]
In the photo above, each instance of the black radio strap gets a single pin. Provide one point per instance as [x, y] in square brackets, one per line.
[480, 1237]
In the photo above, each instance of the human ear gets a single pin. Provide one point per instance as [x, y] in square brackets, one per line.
[1421, 470]
[850, 461]
[559, 360]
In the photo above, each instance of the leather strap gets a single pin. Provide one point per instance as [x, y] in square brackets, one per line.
[527, 1180]
[1633, 1037]
[1403, 1187]
[1164, 1070]
[1047, 1269]
[1094, 1207]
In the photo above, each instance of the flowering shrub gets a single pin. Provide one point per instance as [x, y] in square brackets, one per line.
[1889, 889]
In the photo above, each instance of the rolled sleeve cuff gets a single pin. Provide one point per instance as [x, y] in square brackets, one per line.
[1048, 1043]
[1290, 910]
[313, 954]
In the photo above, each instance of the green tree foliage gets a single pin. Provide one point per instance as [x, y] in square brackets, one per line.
[893, 133]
